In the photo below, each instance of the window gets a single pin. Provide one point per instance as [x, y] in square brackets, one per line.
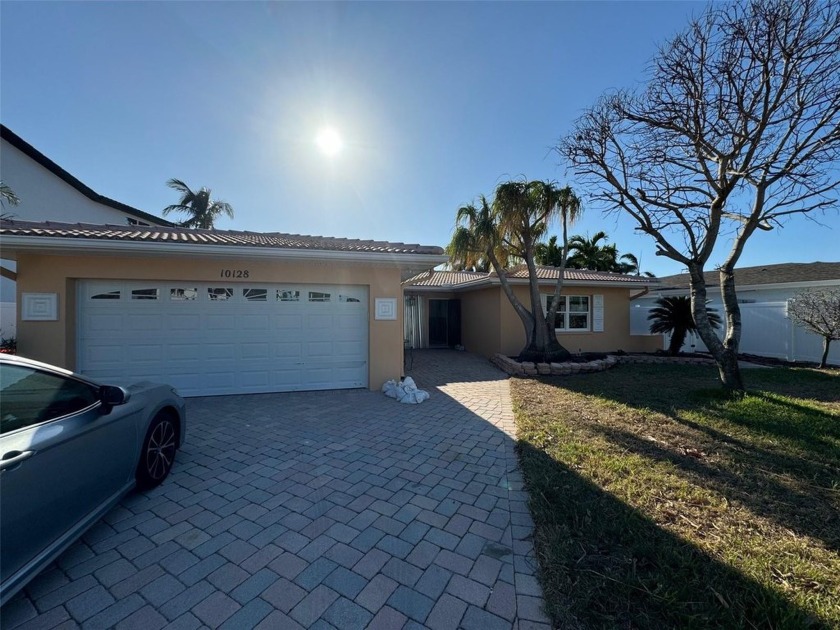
[255, 295]
[144, 294]
[29, 397]
[288, 295]
[107, 295]
[318, 296]
[136, 222]
[183, 295]
[573, 313]
[219, 295]
[348, 298]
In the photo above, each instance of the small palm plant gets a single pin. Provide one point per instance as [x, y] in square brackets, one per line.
[673, 315]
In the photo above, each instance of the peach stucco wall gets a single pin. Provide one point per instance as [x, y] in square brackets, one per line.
[481, 319]
[54, 341]
[616, 334]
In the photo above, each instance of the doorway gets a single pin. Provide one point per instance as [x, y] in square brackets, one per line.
[444, 323]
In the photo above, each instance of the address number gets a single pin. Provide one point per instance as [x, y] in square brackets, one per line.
[235, 273]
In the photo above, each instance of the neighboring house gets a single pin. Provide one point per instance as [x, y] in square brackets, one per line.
[212, 312]
[763, 294]
[470, 309]
[49, 193]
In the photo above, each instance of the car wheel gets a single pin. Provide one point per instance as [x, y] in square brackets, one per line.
[158, 452]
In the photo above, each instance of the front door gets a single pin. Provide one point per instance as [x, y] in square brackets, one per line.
[444, 323]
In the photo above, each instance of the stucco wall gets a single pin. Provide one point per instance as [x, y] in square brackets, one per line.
[616, 334]
[54, 342]
[480, 320]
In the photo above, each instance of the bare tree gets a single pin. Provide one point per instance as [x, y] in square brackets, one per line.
[818, 312]
[737, 129]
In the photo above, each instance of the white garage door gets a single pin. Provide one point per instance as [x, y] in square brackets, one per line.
[224, 338]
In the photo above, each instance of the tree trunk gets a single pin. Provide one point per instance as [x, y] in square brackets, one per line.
[826, 343]
[724, 354]
[677, 341]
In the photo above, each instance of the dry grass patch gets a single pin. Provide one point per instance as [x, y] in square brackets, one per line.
[660, 502]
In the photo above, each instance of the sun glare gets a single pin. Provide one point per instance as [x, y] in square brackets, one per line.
[329, 141]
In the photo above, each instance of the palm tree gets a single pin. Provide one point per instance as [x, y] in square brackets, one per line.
[549, 253]
[673, 315]
[588, 253]
[508, 229]
[8, 196]
[202, 210]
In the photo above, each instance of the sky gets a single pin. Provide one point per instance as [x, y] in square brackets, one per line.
[435, 103]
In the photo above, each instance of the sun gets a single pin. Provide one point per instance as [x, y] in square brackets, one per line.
[329, 141]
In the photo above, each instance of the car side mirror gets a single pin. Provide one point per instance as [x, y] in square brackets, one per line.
[111, 395]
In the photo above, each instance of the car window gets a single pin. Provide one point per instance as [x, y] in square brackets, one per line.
[29, 396]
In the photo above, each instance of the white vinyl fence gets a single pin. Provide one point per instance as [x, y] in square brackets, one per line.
[765, 331]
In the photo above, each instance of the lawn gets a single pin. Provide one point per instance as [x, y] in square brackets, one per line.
[661, 503]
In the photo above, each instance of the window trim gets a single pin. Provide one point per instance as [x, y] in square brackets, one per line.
[546, 297]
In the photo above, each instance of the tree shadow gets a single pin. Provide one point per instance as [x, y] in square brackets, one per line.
[605, 564]
[784, 467]
[805, 509]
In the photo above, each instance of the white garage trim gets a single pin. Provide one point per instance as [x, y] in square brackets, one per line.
[224, 337]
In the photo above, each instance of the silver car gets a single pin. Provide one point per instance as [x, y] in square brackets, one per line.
[70, 448]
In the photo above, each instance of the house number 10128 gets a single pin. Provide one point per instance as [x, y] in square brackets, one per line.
[235, 273]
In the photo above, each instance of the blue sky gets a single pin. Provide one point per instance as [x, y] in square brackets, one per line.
[436, 102]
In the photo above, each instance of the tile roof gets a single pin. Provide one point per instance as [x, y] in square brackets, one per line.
[764, 274]
[179, 235]
[34, 154]
[581, 275]
[445, 278]
[461, 279]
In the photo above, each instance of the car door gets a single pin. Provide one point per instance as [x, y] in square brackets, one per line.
[61, 457]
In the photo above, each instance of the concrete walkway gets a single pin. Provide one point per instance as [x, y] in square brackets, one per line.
[339, 509]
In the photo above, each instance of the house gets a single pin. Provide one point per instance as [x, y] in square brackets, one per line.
[763, 294]
[470, 309]
[212, 312]
[47, 192]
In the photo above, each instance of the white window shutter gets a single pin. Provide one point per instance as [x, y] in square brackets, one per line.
[597, 313]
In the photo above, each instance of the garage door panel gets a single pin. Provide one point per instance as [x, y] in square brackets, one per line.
[292, 321]
[208, 339]
[183, 321]
[319, 349]
[258, 350]
[145, 353]
[220, 322]
[105, 322]
[145, 321]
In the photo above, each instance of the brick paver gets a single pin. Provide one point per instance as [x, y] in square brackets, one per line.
[325, 509]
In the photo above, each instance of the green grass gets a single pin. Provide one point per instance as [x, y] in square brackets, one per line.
[660, 502]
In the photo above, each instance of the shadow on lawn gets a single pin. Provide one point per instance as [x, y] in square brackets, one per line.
[606, 565]
[806, 509]
[789, 473]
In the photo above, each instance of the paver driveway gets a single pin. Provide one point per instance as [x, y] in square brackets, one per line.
[336, 509]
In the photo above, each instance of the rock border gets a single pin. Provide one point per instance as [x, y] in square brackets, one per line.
[515, 368]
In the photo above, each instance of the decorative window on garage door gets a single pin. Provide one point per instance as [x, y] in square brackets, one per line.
[343, 297]
[255, 295]
[319, 296]
[144, 294]
[107, 295]
[288, 295]
[182, 294]
[221, 294]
